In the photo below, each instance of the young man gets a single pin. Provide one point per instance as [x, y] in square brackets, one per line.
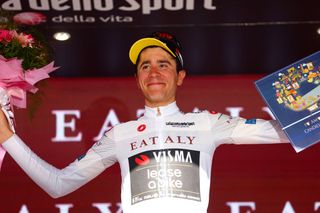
[165, 156]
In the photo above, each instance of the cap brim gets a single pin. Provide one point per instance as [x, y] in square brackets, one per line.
[139, 45]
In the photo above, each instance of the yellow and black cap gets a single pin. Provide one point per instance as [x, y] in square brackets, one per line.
[160, 39]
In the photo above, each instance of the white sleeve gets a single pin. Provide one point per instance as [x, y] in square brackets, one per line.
[58, 182]
[248, 131]
[259, 131]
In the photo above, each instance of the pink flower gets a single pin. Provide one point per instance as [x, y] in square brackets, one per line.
[25, 40]
[6, 35]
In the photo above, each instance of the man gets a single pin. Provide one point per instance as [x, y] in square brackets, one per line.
[165, 156]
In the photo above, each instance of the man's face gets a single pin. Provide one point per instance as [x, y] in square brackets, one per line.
[157, 76]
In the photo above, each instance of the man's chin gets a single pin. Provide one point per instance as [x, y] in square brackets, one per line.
[156, 99]
[155, 93]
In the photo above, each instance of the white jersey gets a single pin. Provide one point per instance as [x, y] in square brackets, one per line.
[165, 158]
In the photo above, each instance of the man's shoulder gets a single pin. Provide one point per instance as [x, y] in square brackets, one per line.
[124, 130]
[200, 117]
[126, 125]
[203, 113]
[210, 117]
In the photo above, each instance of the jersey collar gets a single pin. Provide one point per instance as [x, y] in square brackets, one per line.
[161, 111]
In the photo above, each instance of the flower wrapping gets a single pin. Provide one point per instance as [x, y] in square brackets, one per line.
[18, 82]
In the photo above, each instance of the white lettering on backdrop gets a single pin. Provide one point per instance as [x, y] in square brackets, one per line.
[235, 207]
[65, 207]
[66, 122]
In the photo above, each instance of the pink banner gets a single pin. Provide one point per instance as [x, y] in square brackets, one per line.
[75, 112]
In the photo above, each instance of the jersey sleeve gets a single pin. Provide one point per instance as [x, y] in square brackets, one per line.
[238, 130]
[59, 182]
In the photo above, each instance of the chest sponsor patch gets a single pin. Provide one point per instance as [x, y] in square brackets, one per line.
[180, 124]
[165, 173]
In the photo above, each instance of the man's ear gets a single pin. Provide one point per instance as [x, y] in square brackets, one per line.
[181, 75]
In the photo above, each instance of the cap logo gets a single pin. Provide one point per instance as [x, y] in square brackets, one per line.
[164, 35]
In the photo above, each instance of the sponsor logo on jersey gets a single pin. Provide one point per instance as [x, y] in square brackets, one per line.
[165, 173]
[180, 124]
[141, 128]
[251, 121]
[172, 156]
[151, 141]
[142, 160]
[213, 112]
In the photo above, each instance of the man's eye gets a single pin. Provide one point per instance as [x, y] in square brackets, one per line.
[145, 67]
[163, 65]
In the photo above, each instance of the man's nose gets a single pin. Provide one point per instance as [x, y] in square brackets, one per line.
[154, 70]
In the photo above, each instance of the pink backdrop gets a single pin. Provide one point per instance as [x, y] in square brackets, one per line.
[262, 178]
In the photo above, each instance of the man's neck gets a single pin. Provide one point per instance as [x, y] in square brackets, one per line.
[161, 110]
[155, 105]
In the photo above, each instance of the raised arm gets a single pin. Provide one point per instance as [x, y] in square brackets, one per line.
[58, 182]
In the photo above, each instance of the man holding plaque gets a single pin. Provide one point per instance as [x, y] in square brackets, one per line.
[166, 155]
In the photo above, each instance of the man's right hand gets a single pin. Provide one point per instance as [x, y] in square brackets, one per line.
[6, 117]
[5, 131]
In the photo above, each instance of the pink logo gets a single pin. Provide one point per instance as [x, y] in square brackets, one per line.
[29, 18]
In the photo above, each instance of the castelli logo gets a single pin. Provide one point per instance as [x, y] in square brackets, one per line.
[141, 127]
[142, 160]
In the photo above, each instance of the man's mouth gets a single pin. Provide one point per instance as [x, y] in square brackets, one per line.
[155, 84]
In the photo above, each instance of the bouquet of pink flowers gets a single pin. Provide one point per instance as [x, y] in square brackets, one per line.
[24, 61]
